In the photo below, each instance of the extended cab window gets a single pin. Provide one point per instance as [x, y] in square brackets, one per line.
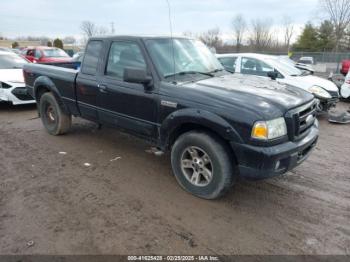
[229, 63]
[92, 55]
[252, 66]
[124, 55]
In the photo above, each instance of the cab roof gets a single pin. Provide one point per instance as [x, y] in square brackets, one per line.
[136, 37]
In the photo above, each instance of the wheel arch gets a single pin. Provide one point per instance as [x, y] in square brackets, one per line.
[44, 84]
[187, 120]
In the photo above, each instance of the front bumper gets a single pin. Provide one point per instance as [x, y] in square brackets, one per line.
[256, 162]
[17, 96]
[327, 104]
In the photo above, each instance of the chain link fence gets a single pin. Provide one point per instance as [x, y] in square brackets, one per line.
[325, 62]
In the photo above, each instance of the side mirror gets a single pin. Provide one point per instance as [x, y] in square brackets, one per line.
[137, 75]
[272, 74]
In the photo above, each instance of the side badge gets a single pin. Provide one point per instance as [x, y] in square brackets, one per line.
[168, 104]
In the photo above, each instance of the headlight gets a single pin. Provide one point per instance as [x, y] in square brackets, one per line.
[319, 91]
[267, 130]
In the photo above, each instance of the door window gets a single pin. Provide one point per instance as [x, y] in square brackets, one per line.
[30, 52]
[91, 57]
[252, 66]
[124, 55]
[37, 54]
[229, 63]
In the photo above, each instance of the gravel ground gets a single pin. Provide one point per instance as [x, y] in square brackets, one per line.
[126, 200]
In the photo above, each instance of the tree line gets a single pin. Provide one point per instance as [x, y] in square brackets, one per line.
[259, 34]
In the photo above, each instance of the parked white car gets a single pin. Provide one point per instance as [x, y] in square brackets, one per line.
[12, 87]
[272, 66]
[345, 88]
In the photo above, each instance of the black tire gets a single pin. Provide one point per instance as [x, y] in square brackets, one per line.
[53, 118]
[224, 170]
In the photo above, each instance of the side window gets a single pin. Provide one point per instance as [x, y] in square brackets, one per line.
[124, 55]
[229, 63]
[37, 53]
[92, 55]
[30, 52]
[252, 66]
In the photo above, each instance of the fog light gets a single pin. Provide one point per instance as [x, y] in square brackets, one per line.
[278, 163]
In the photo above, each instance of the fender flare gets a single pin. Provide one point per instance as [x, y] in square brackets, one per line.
[199, 117]
[44, 81]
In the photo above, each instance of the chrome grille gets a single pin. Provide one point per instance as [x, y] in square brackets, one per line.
[300, 120]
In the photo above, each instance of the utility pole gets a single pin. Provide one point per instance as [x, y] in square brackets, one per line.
[112, 28]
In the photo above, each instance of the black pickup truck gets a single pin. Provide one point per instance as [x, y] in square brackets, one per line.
[175, 94]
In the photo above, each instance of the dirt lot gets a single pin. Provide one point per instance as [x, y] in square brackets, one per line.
[51, 203]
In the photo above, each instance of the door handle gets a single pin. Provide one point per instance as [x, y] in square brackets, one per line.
[102, 88]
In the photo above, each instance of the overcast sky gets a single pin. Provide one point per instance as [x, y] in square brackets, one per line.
[63, 17]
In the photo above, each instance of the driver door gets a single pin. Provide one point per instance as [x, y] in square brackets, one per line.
[30, 55]
[126, 105]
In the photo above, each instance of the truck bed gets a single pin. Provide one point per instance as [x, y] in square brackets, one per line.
[53, 75]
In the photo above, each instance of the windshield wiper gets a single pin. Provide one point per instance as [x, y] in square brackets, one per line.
[190, 73]
[216, 71]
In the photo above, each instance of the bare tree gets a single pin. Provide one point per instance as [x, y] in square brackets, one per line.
[88, 28]
[212, 38]
[261, 35]
[288, 30]
[239, 27]
[338, 12]
[190, 34]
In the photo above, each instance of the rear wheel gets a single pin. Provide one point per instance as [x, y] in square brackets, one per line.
[53, 118]
[203, 165]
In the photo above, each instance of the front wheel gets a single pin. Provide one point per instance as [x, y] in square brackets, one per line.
[202, 164]
[53, 118]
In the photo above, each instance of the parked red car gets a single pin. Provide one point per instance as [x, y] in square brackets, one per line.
[345, 65]
[44, 54]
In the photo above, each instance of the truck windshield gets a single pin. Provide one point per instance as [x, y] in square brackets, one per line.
[192, 57]
[54, 53]
[11, 61]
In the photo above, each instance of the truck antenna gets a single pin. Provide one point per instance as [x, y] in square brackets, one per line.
[172, 38]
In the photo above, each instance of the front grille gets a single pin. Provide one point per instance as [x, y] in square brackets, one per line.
[300, 120]
[21, 93]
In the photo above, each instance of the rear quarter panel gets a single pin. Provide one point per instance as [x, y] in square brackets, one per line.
[60, 81]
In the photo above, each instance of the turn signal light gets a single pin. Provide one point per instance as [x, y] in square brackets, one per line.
[260, 130]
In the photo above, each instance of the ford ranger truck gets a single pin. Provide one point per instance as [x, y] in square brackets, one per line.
[175, 94]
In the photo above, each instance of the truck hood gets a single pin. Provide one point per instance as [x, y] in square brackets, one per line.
[264, 97]
[11, 75]
[306, 82]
